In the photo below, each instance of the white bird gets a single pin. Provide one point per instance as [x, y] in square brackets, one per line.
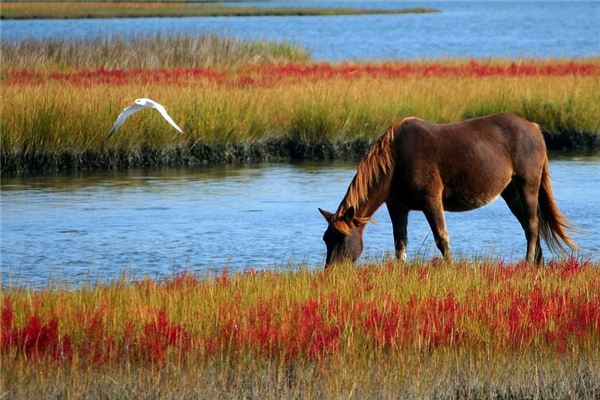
[136, 106]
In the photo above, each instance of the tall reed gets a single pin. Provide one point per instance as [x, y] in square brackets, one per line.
[52, 117]
[158, 51]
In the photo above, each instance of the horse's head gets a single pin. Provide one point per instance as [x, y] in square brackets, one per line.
[343, 236]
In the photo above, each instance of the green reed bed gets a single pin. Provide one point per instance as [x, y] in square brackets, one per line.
[428, 329]
[132, 9]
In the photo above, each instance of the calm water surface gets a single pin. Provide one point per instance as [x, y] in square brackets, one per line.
[157, 222]
[463, 29]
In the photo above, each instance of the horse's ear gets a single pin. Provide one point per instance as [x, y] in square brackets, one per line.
[328, 216]
[349, 214]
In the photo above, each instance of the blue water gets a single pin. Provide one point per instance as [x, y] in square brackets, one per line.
[154, 223]
[541, 29]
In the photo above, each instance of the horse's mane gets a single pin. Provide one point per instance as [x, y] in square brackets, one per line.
[378, 162]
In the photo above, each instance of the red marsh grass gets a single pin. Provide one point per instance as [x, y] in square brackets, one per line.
[268, 74]
[426, 329]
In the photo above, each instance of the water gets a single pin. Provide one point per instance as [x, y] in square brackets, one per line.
[154, 223]
[541, 29]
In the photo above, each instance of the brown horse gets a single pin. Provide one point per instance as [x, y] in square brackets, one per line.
[418, 165]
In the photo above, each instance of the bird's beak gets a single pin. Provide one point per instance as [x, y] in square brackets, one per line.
[133, 103]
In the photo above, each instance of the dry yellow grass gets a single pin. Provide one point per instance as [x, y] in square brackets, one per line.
[171, 51]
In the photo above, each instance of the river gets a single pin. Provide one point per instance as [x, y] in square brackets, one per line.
[152, 223]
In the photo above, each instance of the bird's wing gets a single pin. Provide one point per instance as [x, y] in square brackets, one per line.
[126, 113]
[166, 116]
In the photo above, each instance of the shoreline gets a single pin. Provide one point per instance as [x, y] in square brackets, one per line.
[87, 10]
[202, 154]
[245, 102]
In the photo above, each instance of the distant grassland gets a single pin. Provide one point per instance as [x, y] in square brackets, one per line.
[32, 10]
[240, 101]
[428, 329]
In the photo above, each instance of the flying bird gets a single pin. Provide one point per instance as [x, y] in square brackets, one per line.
[136, 106]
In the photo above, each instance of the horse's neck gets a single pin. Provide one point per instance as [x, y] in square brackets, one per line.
[366, 205]
[376, 197]
[370, 186]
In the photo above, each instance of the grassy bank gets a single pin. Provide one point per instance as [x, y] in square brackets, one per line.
[476, 329]
[256, 101]
[59, 120]
[133, 9]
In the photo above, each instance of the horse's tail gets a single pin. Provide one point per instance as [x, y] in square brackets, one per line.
[553, 224]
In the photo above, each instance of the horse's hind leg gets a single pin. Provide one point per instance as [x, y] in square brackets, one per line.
[434, 212]
[399, 217]
[524, 207]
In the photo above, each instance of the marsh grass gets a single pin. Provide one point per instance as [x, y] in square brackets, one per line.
[243, 101]
[132, 9]
[62, 121]
[428, 329]
[374, 378]
[172, 51]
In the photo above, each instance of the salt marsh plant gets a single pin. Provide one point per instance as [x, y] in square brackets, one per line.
[153, 52]
[373, 331]
[57, 115]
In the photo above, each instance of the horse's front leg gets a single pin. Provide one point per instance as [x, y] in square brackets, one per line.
[434, 212]
[399, 217]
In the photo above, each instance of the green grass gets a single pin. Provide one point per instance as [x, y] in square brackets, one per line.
[35, 10]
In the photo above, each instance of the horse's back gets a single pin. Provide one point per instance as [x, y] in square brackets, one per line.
[470, 161]
[497, 130]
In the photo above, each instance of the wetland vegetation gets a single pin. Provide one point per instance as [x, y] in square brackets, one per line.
[476, 329]
[251, 101]
[135, 9]
[424, 329]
